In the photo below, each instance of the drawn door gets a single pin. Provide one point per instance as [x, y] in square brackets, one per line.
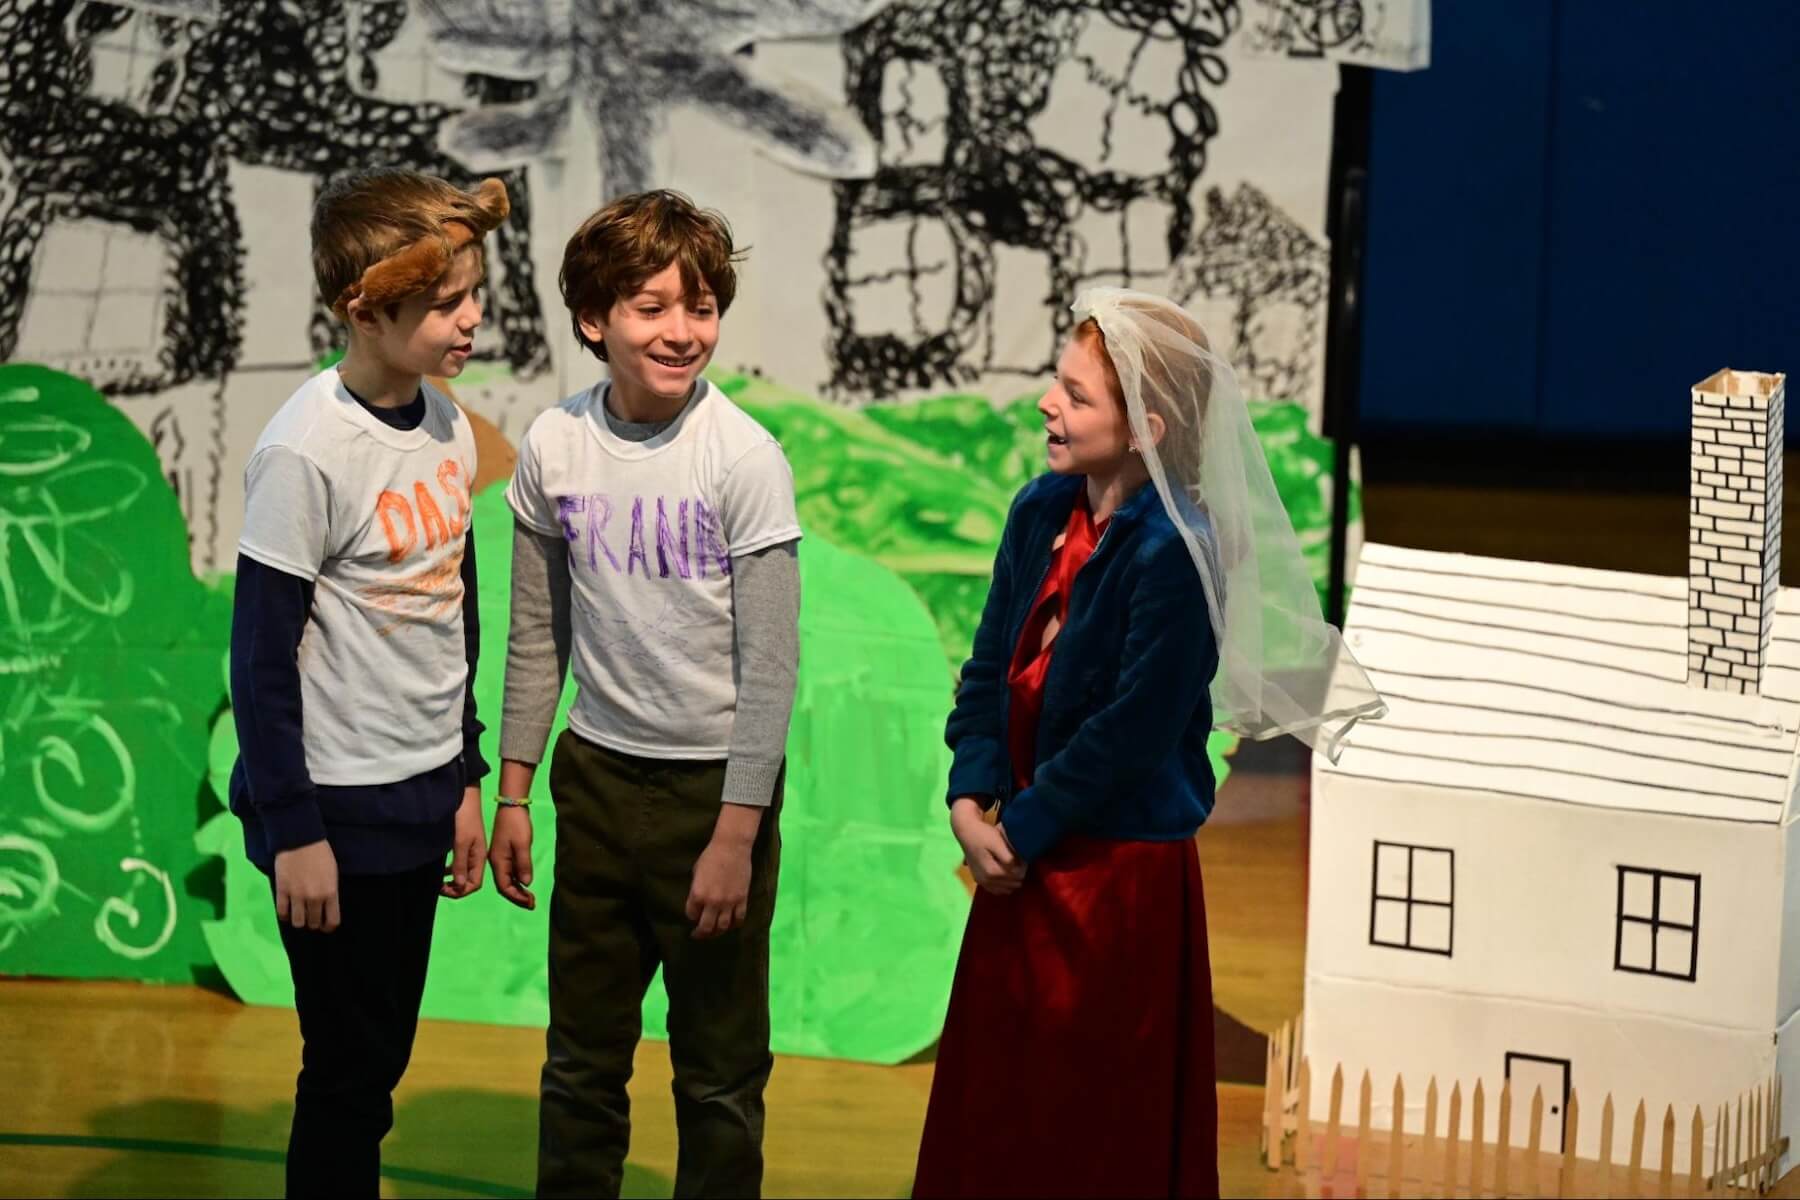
[1528, 1073]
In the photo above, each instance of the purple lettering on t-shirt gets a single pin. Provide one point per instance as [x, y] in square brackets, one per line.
[566, 506]
[636, 554]
[709, 537]
[695, 537]
[666, 546]
[600, 511]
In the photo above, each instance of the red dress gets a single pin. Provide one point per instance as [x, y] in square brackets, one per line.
[1077, 1054]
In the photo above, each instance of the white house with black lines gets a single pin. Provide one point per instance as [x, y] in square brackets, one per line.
[1568, 856]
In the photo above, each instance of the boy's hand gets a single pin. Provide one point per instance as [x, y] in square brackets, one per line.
[720, 894]
[510, 854]
[996, 868]
[306, 887]
[462, 875]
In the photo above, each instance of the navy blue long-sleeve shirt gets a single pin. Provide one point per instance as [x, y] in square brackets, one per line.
[373, 829]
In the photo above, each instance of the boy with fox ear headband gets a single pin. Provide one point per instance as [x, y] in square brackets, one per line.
[353, 651]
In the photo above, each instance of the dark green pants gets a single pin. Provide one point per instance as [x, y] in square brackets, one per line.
[628, 831]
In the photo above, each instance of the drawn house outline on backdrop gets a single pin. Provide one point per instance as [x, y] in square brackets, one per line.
[969, 179]
[1625, 841]
[123, 135]
[126, 82]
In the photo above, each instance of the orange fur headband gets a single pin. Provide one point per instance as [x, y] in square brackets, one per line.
[411, 270]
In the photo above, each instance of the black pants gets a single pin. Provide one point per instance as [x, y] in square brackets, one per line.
[357, 990]
[628, 831]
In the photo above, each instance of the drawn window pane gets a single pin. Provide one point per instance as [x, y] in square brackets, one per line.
[914, 102]
[1635, 946]
[1390, 922]
[1674, 952]
[125, 321]
[1410, 898]
[54, 327]
[1391, 870]
[77, 248]
[135, 259]
[122, 58]
[1678, 901]
[902, 276]
[97, 289]
[1431, 928]
[113, 72]
[1431, 875]
[1085, 120]
[132, 55]
[1022, 278]
[1658, 923]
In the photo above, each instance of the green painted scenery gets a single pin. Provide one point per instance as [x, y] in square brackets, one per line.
[109, 674]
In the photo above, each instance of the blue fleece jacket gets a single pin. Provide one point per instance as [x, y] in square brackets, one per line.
[1121, 745]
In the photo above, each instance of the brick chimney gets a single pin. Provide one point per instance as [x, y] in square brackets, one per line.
[1734, 527]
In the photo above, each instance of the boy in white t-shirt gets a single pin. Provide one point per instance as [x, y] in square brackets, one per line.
[654, 543]
[353, 649]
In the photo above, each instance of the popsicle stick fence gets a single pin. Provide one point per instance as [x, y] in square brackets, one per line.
[1447, 1156]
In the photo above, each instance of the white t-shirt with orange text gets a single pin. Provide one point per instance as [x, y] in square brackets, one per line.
[374, 517]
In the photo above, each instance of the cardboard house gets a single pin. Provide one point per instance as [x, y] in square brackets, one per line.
[1569, 856]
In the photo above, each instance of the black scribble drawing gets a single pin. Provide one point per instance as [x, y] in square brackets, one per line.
[628, 62]
[995, 189]
[121, 244]
[171, 452]
[1388, 33]
[1312, 28]
[1276, 276]
[257, 82]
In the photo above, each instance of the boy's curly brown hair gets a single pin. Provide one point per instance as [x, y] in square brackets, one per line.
[620, 247]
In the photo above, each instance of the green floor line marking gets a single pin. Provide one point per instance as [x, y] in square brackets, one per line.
[450, 1183]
